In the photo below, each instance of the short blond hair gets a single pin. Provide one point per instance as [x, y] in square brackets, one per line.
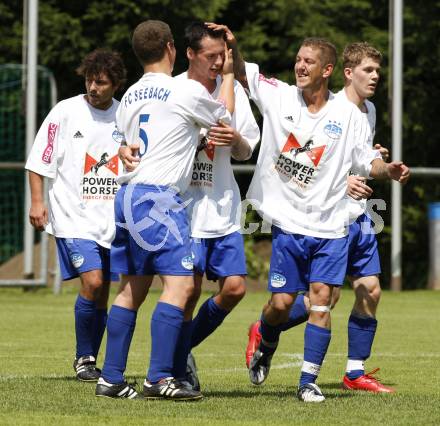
[354, 53]
[328, 50]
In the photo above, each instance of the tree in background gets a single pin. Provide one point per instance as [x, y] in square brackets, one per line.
[270, 32]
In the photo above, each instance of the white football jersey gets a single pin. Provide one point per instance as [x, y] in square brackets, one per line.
[358, 207]
[164, 116]
[215, 197]
[301, 176]
[77, 148]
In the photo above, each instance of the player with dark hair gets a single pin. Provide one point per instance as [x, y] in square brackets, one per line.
[215, 207]
[71, 142]
[304, 197]
[163, 116]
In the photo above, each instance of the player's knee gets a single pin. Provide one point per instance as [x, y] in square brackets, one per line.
[367, 289]
[234, 289]
[280, 306]
[92, 288]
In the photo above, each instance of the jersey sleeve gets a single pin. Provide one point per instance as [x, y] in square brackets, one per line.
[363, 152]
[262, 90]
[43, 156]
[243, 120]
[207, 110]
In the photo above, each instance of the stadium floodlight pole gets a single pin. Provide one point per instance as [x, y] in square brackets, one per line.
[396, 189]
[31, 117]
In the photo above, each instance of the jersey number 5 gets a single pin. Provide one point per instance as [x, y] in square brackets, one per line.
[143, 120]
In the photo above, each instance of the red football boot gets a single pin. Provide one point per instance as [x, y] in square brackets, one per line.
[254, 341]
[366, 383]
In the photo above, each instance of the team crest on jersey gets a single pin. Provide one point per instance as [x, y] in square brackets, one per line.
[117, 136]
[299, 159]
[277, 280]
[77, 260]
[333, 130]
[188, 263]
[202, 174]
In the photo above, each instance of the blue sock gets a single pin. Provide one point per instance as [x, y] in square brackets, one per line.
[120, 328]
[361, 332]
[99, 328]
[183, 349]
[298, 313]
[166, 324]
[316, 341]
[270, 335]
[209, 317]
[84, 326]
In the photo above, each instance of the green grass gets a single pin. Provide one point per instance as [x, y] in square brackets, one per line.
[37, 385]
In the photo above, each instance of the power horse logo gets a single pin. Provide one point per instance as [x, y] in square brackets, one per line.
[93, 165]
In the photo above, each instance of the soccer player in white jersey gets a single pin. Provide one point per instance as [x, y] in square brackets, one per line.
[214, 196]
[76, 148]
[361, 65]
[152, 231]
[311, 139]
[214, 210]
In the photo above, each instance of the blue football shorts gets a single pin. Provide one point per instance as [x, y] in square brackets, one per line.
[220, 256]
[152, 232]
[363, 255]
[297, 260]
[77, 255]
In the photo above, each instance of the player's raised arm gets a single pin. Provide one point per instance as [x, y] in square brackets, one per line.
[226, 93]
[239, 66]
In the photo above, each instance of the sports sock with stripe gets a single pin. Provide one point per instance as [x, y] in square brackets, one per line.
[361, 332]
[84, 326]
[316, 341]
[166, 323]
[121, 323]
[209, 317]
[298, 313]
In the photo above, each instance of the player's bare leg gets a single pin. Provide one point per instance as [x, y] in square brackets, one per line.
[275, 314]
[362, 326]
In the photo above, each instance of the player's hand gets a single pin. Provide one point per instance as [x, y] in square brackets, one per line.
[398, 171]
[128, 156]
[223, 135]
[38, 216]
[383, 151]
[228, 64]
[357, 188]
[230, 38]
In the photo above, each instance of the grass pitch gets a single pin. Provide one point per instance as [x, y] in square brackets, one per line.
[37, 385]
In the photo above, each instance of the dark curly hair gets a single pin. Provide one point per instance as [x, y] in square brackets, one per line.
[104, 61]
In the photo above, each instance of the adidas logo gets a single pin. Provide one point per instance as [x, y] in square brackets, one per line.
[289, 117]
[78, 134]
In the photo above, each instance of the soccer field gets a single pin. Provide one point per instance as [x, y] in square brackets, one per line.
[37, 385]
